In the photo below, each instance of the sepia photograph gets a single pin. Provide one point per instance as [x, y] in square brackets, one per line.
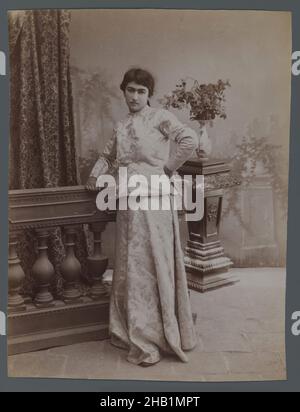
[148, 194]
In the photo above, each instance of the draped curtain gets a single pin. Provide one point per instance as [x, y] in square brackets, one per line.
[42, 142]
[42, 149]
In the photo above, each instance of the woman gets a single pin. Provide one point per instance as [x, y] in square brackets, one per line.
[150, 312]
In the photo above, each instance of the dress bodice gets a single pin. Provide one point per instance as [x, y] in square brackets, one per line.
[146, 141]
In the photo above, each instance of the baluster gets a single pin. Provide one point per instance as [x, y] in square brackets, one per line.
[97, 263]
[43, 271]
[70, 268]
[16, 277]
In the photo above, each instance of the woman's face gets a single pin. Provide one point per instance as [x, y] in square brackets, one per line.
[136, 96]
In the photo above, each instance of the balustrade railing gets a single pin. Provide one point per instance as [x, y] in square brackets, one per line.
[41, 211]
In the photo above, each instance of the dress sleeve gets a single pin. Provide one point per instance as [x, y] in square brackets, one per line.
[106, 158]
[185, 138]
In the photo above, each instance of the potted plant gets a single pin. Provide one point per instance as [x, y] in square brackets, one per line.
[205, 103]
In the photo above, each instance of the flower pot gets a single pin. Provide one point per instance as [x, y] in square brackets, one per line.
[204, 147]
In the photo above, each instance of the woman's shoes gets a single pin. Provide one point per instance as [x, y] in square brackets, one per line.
[145, 364]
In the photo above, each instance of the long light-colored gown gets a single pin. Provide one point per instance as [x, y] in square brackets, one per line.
[150, 310]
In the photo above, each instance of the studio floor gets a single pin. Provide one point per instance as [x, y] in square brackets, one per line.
[241, 331]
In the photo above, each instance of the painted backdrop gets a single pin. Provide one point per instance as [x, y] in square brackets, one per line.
[252, 50]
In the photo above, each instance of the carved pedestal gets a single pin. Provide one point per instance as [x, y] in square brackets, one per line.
[205, 261]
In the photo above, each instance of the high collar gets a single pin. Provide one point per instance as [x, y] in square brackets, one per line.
[140, 112]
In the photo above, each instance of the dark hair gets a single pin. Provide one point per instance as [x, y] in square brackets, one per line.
[138, 76]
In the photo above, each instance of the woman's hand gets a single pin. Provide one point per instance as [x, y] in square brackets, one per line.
[91, 183]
